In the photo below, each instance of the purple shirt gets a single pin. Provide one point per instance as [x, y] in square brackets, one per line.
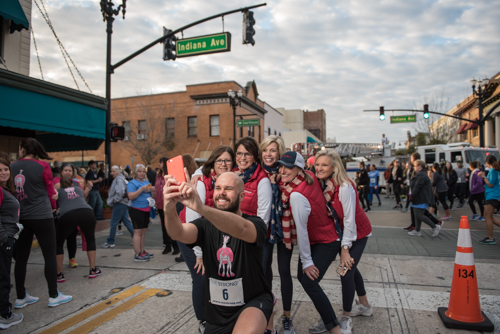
[476, 183]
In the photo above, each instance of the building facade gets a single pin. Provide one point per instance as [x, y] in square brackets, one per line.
[315, 122]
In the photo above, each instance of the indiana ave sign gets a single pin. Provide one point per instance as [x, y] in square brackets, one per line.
[404, 119]
[203, 45]
[249, 122]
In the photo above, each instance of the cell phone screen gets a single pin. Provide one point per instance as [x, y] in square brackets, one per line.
[175, 167]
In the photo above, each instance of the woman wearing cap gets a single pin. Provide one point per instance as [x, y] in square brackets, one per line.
[271, 149]
[139, 193]
[305, 220]
[353, 228]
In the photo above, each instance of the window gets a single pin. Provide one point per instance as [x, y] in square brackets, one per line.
[214, 125]
[441, 156]
[192, 126]
[474, 132]
[315, 132]
[170, 127]
[275, 133]
[268, 131]
[141, 127]
[430, 155]
[280, 134]
[456, 156]
[251, 131]
[126, 125]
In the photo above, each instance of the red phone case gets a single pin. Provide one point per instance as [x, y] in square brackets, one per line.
[175, 167]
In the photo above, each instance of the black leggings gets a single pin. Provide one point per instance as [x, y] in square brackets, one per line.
[397, 193]
[85, 219]
[284, 259]
[442, 199]
[70, 241]
[45, 233]
[479, 198]
[353, 281]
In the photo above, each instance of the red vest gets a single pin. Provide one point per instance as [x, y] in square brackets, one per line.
[209, 198]
[320, 227]
[249, 204]
[363, 225]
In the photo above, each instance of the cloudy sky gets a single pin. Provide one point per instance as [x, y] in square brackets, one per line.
[340, 56]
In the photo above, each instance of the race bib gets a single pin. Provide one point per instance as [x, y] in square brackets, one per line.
[373, 180]
[226, 293]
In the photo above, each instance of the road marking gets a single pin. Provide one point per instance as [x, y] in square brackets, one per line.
[87, 327]
[93, 310]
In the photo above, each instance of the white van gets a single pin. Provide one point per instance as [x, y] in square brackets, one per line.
[456, 152]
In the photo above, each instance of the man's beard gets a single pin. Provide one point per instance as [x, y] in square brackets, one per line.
[232, 206]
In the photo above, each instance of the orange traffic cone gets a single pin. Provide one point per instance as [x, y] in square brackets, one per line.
[464, 310]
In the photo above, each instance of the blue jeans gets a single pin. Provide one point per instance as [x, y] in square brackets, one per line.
[322, 256]
[120, 213]
[95, 200]
[198, 293]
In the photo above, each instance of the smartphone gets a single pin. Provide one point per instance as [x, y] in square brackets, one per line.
[341, 270]
[175, 167]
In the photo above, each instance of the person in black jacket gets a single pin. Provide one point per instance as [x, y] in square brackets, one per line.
[397, 176]
[421, 196]
[364, 184]
[451, 181]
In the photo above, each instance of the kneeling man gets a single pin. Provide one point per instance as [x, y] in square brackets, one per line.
[237, 297]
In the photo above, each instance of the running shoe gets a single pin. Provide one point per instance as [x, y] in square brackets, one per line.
[435, 231]
[346, 325]
[415, 233]
[141, 258]
[446, 218]
[404, 210]
[201, 326]
[28, 300]
[60, 299]
[318, 327]
[166, 250]
[60, 278]
[72, 263]
[409, 228]
[360, 309]
[487, 241]
[441, 223]
[119, 233]
[481, 219]
[10, 321]
[379, 204]
[368, 210]
[146, 254]
[94, 272]
[106, 245]
[287, 324]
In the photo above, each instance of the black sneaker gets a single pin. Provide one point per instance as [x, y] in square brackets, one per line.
[368, 210]
[179, 259]
[166, 250]
[94, 272]
[487, 241]
[176, 252]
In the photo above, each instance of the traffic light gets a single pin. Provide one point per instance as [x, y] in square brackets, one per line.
[169, 46]
[116, 132]
[426, 111]
[382, 114]
[248, 29]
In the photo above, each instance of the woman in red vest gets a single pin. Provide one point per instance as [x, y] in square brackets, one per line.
[258, 192]
[343, 200]
[305, 219]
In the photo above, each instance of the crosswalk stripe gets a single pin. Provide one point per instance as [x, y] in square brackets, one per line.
[93, 310]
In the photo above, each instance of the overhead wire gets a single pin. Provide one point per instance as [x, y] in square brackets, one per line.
[36, 49]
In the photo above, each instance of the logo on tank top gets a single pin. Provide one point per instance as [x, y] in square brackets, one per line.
[70, 191]
[19, 182]
[225, 258]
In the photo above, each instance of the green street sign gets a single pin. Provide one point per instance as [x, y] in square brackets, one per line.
[404, 119]
[249, 122]
[203, 45]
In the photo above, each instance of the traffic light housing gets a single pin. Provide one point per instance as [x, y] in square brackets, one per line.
[382, 114]
[116, 132]
[248, 29]
[169, 46]
[426, 111]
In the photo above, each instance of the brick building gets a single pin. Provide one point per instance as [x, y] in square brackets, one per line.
[315, 122]
[194, 121]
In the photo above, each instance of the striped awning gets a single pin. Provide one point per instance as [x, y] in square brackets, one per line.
[462, 128]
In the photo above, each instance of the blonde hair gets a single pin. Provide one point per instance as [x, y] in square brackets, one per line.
[133, 174]
[339, 176]
[272, 139]
[420, 163]
[117, 168]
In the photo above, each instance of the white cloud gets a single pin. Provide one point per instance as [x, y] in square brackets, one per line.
[339, 56]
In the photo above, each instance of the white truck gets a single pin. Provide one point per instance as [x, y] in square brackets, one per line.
[456, 152]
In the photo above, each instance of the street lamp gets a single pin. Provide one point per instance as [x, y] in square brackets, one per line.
[480, 92]
[234, 101]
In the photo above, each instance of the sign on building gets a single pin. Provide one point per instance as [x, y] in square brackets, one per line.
[249, 122]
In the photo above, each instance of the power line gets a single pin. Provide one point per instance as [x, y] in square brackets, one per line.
[36, 49]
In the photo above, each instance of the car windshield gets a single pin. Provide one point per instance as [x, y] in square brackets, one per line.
[480, 155]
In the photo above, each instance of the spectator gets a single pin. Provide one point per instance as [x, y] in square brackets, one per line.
[397, 177]
[476, 192]
[151, 174]
[95, 200]
[364, 185]
[388, 181]
[462, 176]
[439, 182]
[451, 180]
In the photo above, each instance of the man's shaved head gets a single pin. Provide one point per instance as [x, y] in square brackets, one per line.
[231, 178]
[229, 190]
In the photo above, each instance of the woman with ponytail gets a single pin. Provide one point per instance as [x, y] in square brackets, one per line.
[492, 196]
[353, 228]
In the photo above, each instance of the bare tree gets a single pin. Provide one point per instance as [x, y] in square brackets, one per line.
[146, 130]
[441, 129]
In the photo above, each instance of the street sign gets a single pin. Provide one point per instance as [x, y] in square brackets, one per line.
[404, 119]
[249, 122]
[203, 45]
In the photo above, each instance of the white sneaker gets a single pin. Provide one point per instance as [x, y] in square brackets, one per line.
[435, 231]
[346, 325]
[360, 309]
[106, 245]
[201, 327]
[20, 303]
[60, 299]
[318, 327]
[415, 233]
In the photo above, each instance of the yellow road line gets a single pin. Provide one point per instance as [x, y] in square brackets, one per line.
[93, 310]
[85, 328]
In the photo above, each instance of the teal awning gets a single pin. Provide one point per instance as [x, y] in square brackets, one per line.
[62, 119]
[311, 140]
[12, 10]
